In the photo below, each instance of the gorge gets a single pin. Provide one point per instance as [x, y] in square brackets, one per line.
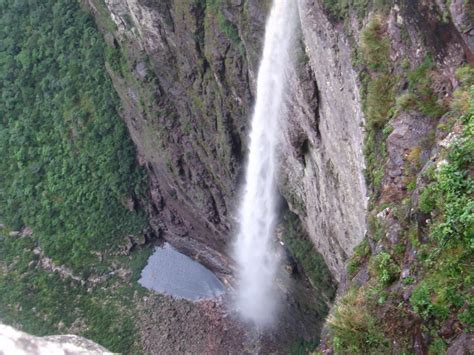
[124, 124]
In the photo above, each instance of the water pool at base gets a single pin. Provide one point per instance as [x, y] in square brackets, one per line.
[171, 273]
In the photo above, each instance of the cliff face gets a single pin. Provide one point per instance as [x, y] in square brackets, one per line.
[322, 171]
[371, 86]
[187, 104]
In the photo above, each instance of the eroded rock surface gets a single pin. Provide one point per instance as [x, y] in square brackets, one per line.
[13, 341]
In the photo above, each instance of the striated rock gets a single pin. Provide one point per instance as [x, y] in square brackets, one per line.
[186, 106]
[323, 163]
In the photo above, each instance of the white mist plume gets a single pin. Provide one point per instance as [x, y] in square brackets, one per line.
[256, 258]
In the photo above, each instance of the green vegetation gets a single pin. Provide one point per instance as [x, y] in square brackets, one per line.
[436, 218]
[341, 9]
[361, 253]
[213, 8]
[378, 96]
[68, 168]
[449, 261]
[68, 172]
[384, 268]
[43, 302]
[353, 328]
[420, 94]
[303, 251]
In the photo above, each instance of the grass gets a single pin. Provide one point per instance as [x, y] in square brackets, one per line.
[361, 252]
[380, 100]
[44, 303]
[375, 45]
[353, 328]
[420, 94]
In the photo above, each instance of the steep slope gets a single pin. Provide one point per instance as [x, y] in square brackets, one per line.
[377, 150]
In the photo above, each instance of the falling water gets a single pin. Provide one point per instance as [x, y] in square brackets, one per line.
[257, 260]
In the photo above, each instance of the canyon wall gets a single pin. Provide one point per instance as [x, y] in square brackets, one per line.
[187, 104]
[369, 109]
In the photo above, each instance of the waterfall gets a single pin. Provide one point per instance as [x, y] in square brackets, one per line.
[256, 257]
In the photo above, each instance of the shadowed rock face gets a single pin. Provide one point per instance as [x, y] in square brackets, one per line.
[187, 104]
[13, 341]
[197, 63]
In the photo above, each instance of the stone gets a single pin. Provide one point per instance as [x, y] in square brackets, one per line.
[462, 345]
[15, 341]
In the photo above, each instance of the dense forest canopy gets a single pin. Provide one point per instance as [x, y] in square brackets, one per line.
[68, 166]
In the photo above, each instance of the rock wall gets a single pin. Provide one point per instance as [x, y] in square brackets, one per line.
[323, 162]
[187, 104]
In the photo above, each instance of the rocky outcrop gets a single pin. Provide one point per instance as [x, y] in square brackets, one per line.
[13, 341]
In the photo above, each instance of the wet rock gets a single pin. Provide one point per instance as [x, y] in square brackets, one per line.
[419, 342]
[448, 329]
[322, 155]
[409, 132]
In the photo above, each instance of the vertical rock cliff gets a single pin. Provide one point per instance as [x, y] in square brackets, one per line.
[187, 101]
[323, 161]
[376, 89]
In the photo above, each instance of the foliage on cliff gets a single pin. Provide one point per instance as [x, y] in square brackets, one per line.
[68, 168]
[412, 278]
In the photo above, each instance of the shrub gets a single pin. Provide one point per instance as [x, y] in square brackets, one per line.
[420, 93]
[375, 45]
[380, 99]
[360, 253]
[384, 268]
[427, 201]
[427, 300]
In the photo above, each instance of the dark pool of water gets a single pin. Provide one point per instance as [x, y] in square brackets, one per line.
[172, 273]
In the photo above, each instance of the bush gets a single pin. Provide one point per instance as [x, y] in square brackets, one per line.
[360, 254]
[427, 201]
[375, 45]
[423, 304]
[420, 93]
[380, 99]
[383, 267]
